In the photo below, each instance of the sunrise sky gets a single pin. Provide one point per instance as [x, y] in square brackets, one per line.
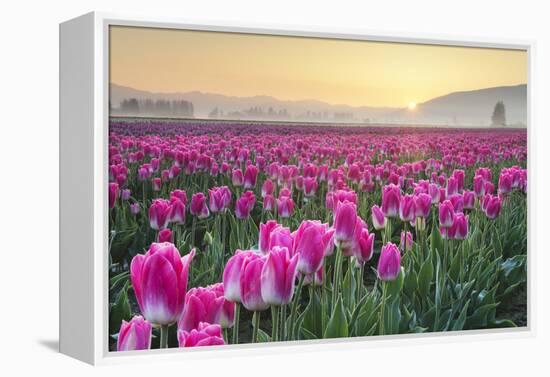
[295, 68]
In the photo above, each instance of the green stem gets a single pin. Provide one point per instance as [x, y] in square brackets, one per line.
[236, 323]
[256, 320]
[359, 285]
[275, 323]
[381, 320]
[297, 295]
[336, 275]
[164, 336]
[283, 323]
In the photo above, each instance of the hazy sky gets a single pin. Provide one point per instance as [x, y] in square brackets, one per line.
[296, 68]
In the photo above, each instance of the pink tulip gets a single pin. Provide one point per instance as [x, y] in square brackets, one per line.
[267, 188]
[309, 245]
[406, 241]
[469, 199]
[459, 230]
[113, 194]
[201, 305]
[446, 214]
[422, 204]
[285, 206]
[505, 181]
[205, 335]
[310, 187]
[220, 198]
[391, 198]
[278, 276]
[159, 214]
[407, 210]
[280, 236]
[268, 203]
[232, 275]
[250, 176]
[345, 216]
[125, 194]
[157, 184]
[452, 186]
[134, 208]
[492, 206]
[378, 218]
[165, 235]
[389, 263]
[134, 335]
[244, 205]
[177, 211]
[198, 206]
[180, 194]
[159, 279]
[264, 235]
[228, 308]
[251, 285]
[364, 249]
[479, 186]
[433, 191]
[237, 178]
[458, 202]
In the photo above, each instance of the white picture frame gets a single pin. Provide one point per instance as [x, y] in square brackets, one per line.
[83, 188]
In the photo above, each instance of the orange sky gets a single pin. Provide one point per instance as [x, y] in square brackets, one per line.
[296, 68]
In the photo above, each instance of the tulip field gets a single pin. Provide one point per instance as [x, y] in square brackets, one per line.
[226, 233]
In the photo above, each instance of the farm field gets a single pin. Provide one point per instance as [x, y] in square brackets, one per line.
[233, 232]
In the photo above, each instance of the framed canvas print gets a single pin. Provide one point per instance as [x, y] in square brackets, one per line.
[237, 188]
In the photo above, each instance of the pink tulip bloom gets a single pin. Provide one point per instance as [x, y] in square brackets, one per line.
[159, 279]
[469, 199]
[205, 335]
[180, 194]
[267, 188]
[250, 176]
[134, 335]
[281, 237]
[479, 186]
[125, 194]
[285, 206]
[278, 276]
[459, 230]
[165, 235]
[406, 241]
[251, 285]
[232, 275]
[407, 210]
[264, 234]
[345, 216]
[309, 245]
[198, 206]
[113, 194]
[220, 198]
[134, 208]
[423, 205]
[157, 184]
[493, 206]
[433, 191]
[446, 214]
[159, 214]
[364, 249]
[227, 317]
[458, 202]
[237, 178]
[378, 218]
[459, 175]
[389, 263]
[505, 181]
[452, 186]
[268, 203]
[201, 305]
[391, 198]
[244, 205]
[310, 187]
[177, 211]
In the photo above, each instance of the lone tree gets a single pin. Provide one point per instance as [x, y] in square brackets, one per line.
[499, 114]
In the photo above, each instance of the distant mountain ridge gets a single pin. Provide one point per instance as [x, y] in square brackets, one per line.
[466, 108]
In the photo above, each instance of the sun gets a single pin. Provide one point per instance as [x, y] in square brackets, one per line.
[412, 105]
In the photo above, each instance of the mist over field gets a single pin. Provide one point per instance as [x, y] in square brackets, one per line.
[458, 109]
